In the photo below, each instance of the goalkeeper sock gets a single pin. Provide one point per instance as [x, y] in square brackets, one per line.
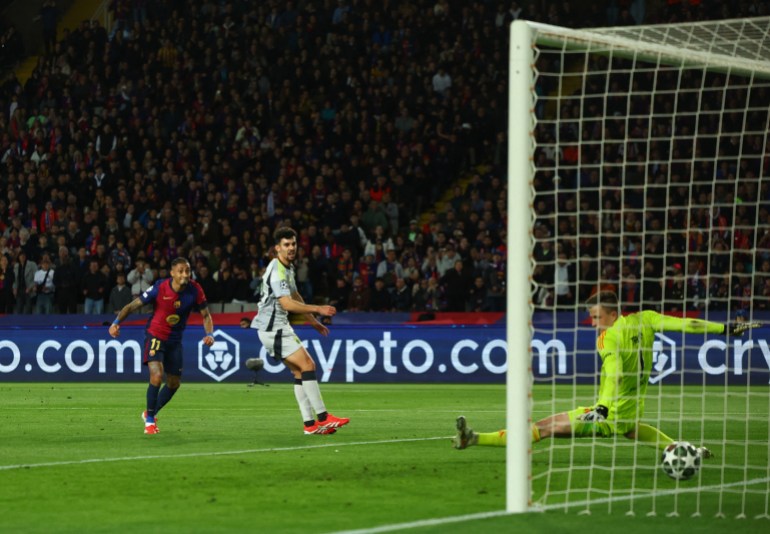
[492, 439]
[535, 434]
[652, 436]
[152, 402]
[164, 396]
[304, 403]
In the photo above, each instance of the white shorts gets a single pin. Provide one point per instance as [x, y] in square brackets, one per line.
[281, 343]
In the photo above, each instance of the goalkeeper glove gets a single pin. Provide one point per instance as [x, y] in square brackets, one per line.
[738, 329]
[596, 415]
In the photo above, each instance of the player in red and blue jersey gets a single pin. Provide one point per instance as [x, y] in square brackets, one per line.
[173, 299]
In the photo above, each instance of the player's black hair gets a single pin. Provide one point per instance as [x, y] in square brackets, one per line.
[177, 261]
[605, 299]
[284, 232]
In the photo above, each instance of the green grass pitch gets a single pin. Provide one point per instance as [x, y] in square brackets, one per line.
[231, 458]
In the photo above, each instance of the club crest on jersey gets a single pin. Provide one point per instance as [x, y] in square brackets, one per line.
[177, 303]
[284, 284]
[172, 319]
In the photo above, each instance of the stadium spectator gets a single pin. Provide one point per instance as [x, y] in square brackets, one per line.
[401, 296]
[456, 286]
[340, 294]
[66, 279]
[207, 282]
[94, 285]
[140, 277]
[120, 295]
[390, 269]
[477, 300]
[49, 16]
[24, 287]
[6, 285]
[380, 298]
[44, 287]
[358, 299]
[92, 132]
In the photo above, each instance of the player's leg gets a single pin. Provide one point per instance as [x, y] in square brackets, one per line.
[652, 436]
[466, 437]
[300, 359]
[570, 425]
[153, 358]
[649, 435]
[277, 344]
[554, 426]
[172, 365]
[305, 408]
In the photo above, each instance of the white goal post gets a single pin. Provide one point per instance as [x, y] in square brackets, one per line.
[695, 58]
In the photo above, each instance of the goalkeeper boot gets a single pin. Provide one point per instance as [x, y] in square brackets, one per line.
[705, 453]
[332, 421]
[318, 428]
[465, 436]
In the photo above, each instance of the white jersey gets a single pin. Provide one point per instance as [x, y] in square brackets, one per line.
[278, 281]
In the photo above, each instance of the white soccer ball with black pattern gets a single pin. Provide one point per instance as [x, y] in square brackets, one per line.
[680, 460]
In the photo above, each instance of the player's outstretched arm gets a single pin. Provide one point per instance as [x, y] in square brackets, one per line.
[127, 310]
[208, 327]
[669, 323]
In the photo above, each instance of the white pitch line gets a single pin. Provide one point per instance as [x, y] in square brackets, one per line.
[215, 453]
[485, 515]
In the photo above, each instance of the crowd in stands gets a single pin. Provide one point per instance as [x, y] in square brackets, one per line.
[11, 46]
[670, 211]
[195, 129]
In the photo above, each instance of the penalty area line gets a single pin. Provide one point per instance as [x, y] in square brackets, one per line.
[545, 508]
[213, 453]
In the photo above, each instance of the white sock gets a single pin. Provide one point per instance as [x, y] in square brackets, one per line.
[313, 392]
[304, 403]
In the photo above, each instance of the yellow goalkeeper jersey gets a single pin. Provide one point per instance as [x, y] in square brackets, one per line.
[626, 352]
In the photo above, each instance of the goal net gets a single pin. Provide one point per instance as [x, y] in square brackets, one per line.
[639, 159]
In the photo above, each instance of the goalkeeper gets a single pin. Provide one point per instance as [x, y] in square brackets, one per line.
[625, 347]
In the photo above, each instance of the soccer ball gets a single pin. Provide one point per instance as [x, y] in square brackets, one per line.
[680, 460]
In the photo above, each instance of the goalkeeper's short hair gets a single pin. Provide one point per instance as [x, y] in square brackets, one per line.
[605, 299]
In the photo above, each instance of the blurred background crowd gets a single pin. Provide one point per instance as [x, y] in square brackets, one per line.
[376, 129]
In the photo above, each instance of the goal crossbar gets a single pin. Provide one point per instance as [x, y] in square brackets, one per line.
[739, 45]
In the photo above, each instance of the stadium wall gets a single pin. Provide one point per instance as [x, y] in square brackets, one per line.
[434, 351]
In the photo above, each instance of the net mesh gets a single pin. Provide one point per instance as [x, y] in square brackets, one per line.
[652, 179]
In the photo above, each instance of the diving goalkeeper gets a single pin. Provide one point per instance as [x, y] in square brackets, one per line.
[625, 347]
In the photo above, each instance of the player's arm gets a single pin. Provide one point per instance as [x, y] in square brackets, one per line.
[208, 326]
[294, 306]
[667, 323]
[612, 374]
[127, 310]
[609, 383]
[308, 316]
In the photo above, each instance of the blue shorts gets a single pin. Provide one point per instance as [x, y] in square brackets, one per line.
[168, 353]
